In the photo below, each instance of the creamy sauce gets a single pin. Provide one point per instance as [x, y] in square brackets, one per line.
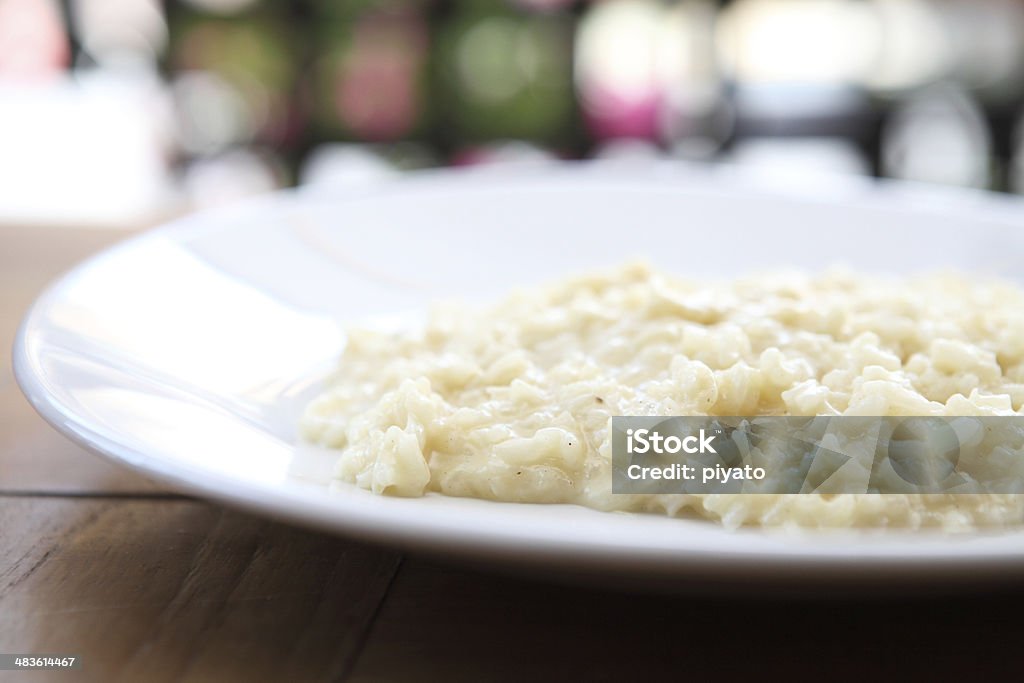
[513, 402]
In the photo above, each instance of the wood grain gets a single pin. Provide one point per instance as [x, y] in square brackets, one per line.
[444, 624]
[177, 590]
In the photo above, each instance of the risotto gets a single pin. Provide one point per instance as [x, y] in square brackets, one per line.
[514, 402]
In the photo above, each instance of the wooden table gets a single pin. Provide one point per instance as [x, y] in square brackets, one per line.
[148, 585]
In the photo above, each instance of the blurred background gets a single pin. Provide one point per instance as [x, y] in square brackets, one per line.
[126, 111]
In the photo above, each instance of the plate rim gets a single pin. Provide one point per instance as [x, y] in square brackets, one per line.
[1001, 560]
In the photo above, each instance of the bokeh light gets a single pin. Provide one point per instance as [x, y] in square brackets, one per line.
[333, 91]
[33, 45]
[938, 136]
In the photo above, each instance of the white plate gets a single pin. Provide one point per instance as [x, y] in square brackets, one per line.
[187, 353]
